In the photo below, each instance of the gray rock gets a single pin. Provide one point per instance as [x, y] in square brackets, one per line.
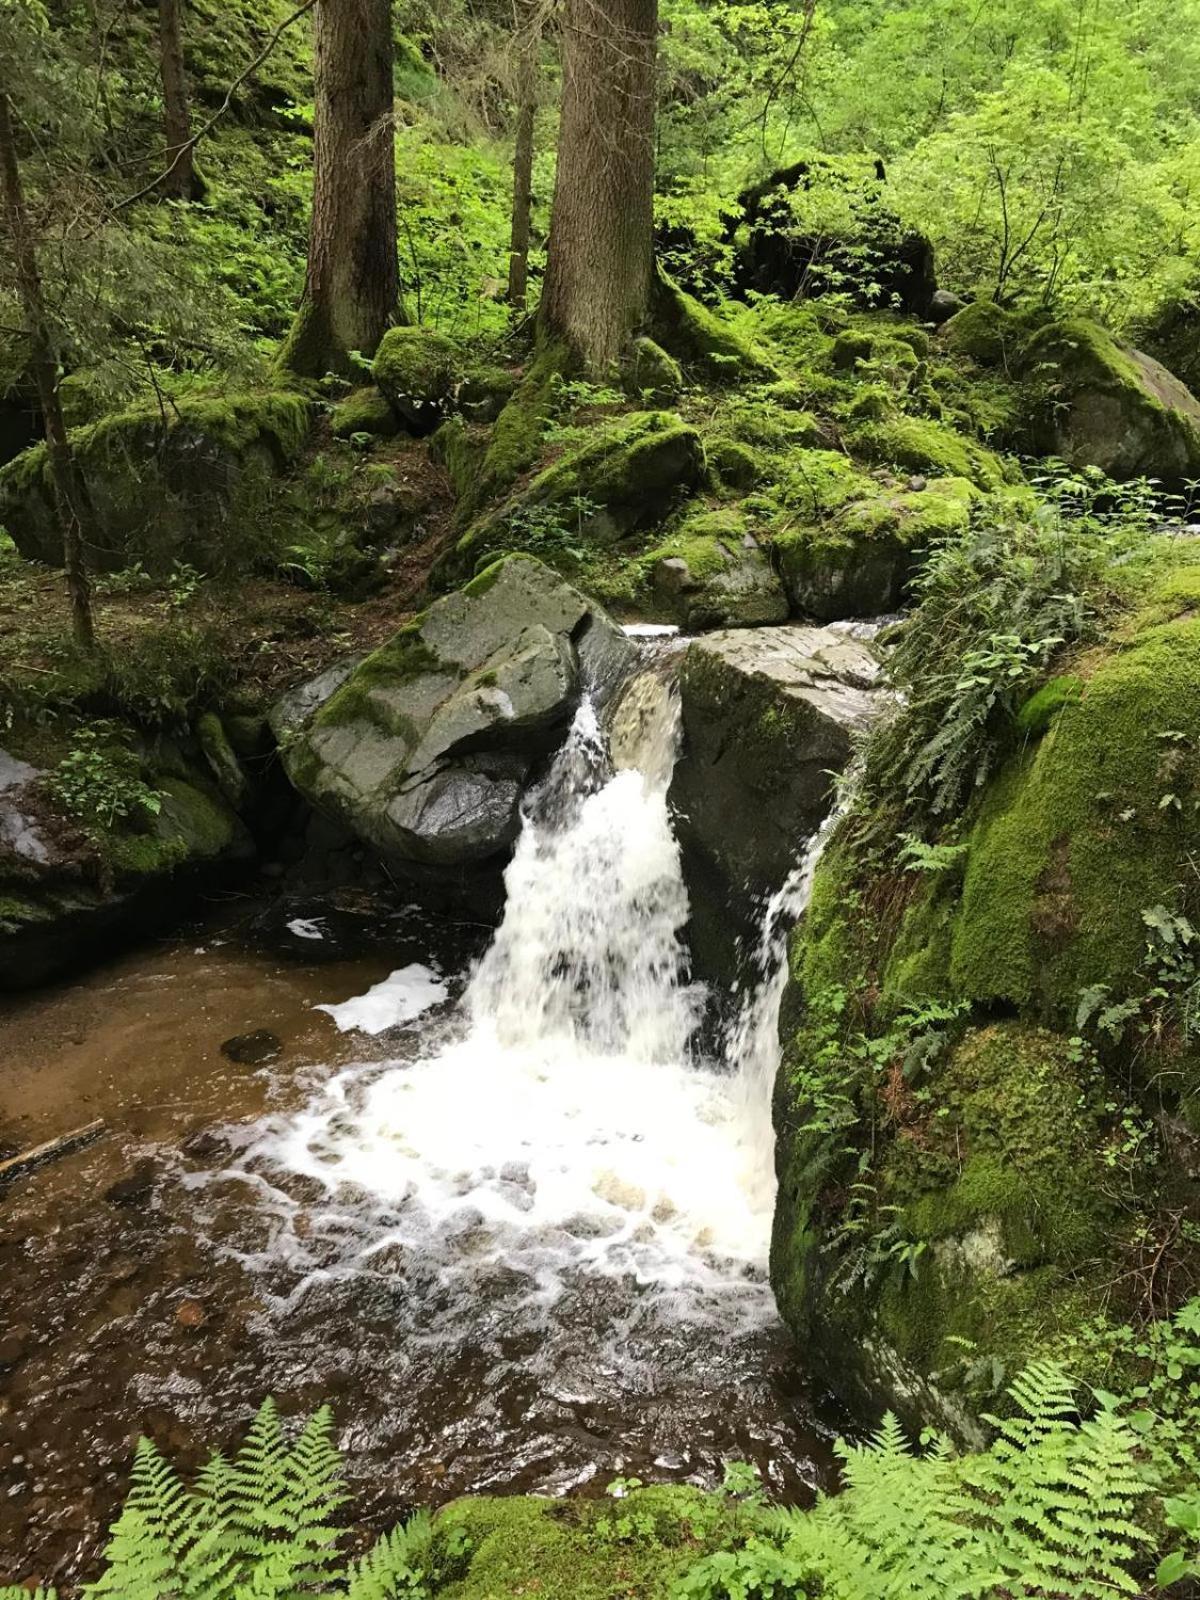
[712, 573]
[293, 709]
[425, 749]
[769, 715]
[943, 305]
[20, 834]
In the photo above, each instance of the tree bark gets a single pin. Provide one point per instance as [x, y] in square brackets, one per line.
[601, 252]
[528, 40]
[177, 126]
[68, 491]
[352, 284]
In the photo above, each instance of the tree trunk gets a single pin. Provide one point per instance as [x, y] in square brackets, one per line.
[352, 286]
[177, 127]
[598, 275]
[68, 490]
[528, 40]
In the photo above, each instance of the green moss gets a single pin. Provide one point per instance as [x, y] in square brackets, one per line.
[921, 444]
[1040, 710]
[628, 475]
[652, 373]
[700, 338]
[986, 332]
[460, 450]
[404, 657]
[416, 369]
[518, 438]
[737, 465]
[364, 411]
[192, 826]
[578, 1549]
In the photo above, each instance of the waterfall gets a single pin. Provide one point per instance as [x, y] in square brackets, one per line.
[560, 1120]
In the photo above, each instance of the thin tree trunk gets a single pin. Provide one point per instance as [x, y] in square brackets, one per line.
[67, 488]
[352, 285]
[601, 252]
[518, 249]
[177, 126]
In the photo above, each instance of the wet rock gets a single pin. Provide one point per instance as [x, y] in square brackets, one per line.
[135, 1188]
[769, 716]
[190, 1314]
[15, 1344]
[944, 305]
[207, 1145]
[252, 1049]
[711, 573]
[426, 748]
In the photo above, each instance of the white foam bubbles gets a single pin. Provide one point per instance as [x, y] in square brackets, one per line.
[396, 999]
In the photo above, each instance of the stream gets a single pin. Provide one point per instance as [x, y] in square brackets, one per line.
[495, 1204]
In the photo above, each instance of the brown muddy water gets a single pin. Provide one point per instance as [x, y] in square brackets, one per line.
[307, 1228]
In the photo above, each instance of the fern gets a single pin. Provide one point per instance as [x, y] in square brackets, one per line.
[255, 1528]
[397, 1567]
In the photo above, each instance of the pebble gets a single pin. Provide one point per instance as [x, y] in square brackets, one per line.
[252, 1049]
[191, 1314]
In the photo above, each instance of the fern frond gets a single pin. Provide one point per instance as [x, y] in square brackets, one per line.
[397, 1567]
[17, 1592]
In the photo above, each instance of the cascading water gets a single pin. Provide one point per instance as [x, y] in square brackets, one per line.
[575, 1203]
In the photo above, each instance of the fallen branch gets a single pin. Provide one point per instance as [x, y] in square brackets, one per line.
[17, 1166]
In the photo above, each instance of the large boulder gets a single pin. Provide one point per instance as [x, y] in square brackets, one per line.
[770, 715]
[712, 573]
[1107, 405]
[1080, 393]
[990, 1091]
[416, 370]
[190, 485]
[808, 228]
[425, 748]
[66, 895]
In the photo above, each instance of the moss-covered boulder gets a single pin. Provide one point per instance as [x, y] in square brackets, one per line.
[627, 476]
[858, 561]
[711, 573]
[652, 375]
[706, 343]
[424, 748]
[945, 1177]
[69, 893]
[363, 411]
[1103, 404]
[976, 1237]
[195, 484]
[925, 445]
[416, 370]
[769, 716]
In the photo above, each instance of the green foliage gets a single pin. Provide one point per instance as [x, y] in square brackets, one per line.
[100, 781]
[993, 608]
[1051, 1508]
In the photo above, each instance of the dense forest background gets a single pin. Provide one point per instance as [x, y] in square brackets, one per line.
[1050, 151]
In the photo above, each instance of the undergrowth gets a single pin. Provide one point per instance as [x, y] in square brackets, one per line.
[1068, 1503]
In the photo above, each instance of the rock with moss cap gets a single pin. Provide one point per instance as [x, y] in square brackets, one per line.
[1103, 404]
[627, 475]
[858, 560]
[711, 573]
[193, 485]
[68, 896]
[417, 369]
[425, 748]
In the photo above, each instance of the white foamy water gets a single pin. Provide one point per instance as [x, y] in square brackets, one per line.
[561, 1124]
[399, 998]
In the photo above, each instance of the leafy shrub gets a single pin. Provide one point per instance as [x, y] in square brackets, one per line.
[100, 780]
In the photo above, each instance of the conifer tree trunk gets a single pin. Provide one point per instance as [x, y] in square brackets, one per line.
[528, 40]
[68, 491]
[177, 126]
[600, 264]
[352, 285]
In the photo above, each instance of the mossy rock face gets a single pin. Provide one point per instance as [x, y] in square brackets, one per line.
[1105, 405]
[65, 900]
[711, 573]
[576, 1549]
[363, 411]
[859, 561]
[652, 374]
[702, 340]
[424, 747]
[1003, 1149]
[195, 486]
[627, 477]
[416, 370]
[989, 1217]
[924, 445]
